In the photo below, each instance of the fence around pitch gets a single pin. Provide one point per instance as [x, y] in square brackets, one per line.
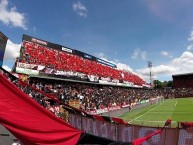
[121, 132]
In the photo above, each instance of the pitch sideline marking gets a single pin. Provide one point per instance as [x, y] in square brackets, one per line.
[146, 112]
[170, 112]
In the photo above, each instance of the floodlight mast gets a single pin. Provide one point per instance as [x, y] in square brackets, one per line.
[150, 67]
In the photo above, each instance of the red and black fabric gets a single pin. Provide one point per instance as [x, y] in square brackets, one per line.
[107, 118]
[98, 117]
[167, 123]
[89, 139]
[139, 141]
[30, 122]
[118, 120]
[89, 115]
[186, 124]
[72, 111]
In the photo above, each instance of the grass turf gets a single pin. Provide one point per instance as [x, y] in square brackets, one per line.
[178, 110]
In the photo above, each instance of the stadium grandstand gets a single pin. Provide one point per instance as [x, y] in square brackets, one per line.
[41, 57]
[183, 80]
[58, 95]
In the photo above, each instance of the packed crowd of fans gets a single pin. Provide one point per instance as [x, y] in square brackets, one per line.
[178, 82]
[59, 60]
[183, 92]
[92, 96]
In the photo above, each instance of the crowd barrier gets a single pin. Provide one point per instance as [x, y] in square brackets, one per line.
[121, 132]
[119, 110]
[125, 109]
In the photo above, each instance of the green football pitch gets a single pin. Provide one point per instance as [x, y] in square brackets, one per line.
[178, 110]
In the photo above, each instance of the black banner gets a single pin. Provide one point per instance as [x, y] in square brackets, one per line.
[46, 43]
[88, 56]
[106, 63]
[84, 55]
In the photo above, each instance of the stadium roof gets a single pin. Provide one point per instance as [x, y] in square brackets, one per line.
[185, 74]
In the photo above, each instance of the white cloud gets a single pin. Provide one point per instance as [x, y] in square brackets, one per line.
[143, 55]
[11, 16]
[11, 50]
[100, 55]
[190, 38]
[184, 63]
[165, 53]
[6, 68]
[80, 9]
[190, 47]
[179, 65]
[135, 54]
[157, 70]
[138, 53]
[122, 66]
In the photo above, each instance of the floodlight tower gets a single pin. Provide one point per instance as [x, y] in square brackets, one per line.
[150, 67]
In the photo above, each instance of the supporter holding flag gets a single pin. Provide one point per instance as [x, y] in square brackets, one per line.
[139, 141]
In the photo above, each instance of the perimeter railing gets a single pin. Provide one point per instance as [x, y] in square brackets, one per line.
[129, 132]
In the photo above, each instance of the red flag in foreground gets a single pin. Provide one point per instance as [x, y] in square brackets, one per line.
[31, 123]
[139, 141]
[167, 123]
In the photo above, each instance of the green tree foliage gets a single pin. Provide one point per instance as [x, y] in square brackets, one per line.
[158, 84]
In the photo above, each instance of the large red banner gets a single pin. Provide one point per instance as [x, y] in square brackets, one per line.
[30, 122]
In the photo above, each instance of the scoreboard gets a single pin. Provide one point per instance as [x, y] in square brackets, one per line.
[3, 43]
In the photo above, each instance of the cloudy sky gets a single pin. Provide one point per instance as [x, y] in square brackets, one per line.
[128, 33]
